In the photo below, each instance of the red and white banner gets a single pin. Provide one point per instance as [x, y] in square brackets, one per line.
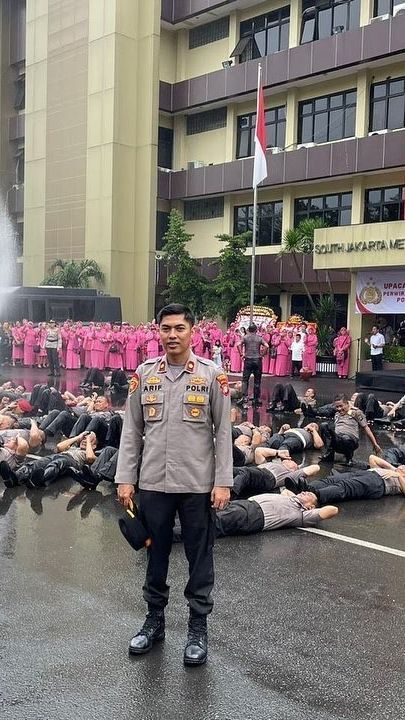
[380, 292]
[260, 165]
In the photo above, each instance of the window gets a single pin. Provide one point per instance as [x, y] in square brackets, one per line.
[205, 209]
[209, 33]
[387, 105]
[162, 223]
[382, 7]
[263, 35]
[19, 167]
[384, 204]
[323, 18]
[269, 222]
[275, 131]
[19, 100]
[165, 148]
[332, 209]
[329, 118]
[206, 121]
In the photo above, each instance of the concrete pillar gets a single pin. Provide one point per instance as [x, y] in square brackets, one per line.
[291, 120]
[285, 305]
[366, 12]
[362, 109]
[357, 201]
[295, 23]
[354, 324]
[288, 210]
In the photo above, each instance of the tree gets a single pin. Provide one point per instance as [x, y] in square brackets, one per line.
[185, 282]
[231, 288]
[73, 274]
[300, 240]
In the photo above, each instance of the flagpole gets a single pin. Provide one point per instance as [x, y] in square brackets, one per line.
[253, 267]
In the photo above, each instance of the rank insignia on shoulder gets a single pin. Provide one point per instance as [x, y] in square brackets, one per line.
[162, 366]
[223, 383]
[133, 384]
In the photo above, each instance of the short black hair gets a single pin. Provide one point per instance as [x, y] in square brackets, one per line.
[176, 309]
[252, 327]
[342, 397]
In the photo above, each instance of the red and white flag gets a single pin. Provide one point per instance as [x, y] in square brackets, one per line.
[260, 165]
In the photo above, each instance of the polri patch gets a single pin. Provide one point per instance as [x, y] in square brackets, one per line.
[133, 383]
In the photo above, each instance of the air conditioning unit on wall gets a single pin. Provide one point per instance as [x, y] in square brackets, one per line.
[194, 164]
[378, 132]
[276, 150]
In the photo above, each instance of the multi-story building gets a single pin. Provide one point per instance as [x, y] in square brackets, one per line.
[135, 107]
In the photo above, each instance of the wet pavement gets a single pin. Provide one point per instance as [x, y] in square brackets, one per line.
[304, 626]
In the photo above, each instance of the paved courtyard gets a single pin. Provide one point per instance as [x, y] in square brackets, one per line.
[305, 626]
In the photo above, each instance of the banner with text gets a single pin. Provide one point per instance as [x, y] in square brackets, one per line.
[380, 292]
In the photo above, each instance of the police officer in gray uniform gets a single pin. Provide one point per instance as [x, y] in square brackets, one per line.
[250, 348]
[181, 404]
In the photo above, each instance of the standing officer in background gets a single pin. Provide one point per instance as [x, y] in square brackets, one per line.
[250, 348]
[53, 343]
[181, 403]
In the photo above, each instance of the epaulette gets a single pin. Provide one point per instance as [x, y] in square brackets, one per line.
[210, 363]
[151, 361]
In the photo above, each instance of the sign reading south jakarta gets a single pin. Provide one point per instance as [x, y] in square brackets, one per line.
[380, 292]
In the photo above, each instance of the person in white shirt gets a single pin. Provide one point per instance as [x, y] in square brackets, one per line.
[297, 349]
[376, 342]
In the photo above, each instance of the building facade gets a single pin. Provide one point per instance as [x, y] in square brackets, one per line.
[132, 108]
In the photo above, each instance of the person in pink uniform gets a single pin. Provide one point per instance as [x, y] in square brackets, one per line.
[131, 350]
[87, 342]
[152, 342]
[342, 353]
[141, 343]
[98, 348]
[197, 342]
[275, 336]
[18, 344]
[290, 340]
[115, 359]
[311, 347]
[234, 354]
[108, 339]
[266, 335]
[64, 331]
[41, 357]
[283, 354]
[73, 349]
[30, 339]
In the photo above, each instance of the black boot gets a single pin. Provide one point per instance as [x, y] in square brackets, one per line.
[30, 476]
[6, 473]
[151, 631]
[327, 457]
[195, 652]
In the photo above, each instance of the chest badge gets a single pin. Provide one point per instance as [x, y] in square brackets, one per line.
[151, 399]
[195, 412]
[151, 412]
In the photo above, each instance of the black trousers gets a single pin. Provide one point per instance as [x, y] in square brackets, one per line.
[344, 444]
[296, 366]
[158, 512]
[53, 360]
[252, 367]
[61, 461]
[395, 455]
[91, 423]
[240, 517]
[377, 362]
[357, 485]
[291, 443]
[105, 465]
[59, 421]
[249, 481]
[285, 394]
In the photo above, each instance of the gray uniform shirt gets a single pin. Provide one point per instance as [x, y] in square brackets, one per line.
[252, 344]
[180, 418]
[284, 511]
[349, 423]
[280, 472]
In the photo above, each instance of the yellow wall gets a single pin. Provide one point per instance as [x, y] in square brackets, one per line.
[210, 147]
[168, 56]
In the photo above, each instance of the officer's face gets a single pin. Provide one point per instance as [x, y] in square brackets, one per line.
[175, 335]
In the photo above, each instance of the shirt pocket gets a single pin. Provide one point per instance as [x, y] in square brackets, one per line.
[152, 405]
[195, 407]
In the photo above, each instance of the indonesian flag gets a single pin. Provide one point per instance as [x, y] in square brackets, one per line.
[260, 165]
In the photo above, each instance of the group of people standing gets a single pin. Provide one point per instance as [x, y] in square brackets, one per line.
[124, 346]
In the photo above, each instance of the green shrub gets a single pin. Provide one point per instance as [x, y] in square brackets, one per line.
[392, 353]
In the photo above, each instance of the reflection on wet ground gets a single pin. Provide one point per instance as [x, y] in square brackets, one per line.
[304, 626]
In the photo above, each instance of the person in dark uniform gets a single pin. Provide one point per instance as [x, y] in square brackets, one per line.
[251, 348]
[181, 404]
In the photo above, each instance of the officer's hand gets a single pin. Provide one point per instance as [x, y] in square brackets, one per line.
[377, 450]
[125, 494]
[220, 497]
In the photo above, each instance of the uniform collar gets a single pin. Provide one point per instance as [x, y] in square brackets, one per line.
[189, 367]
